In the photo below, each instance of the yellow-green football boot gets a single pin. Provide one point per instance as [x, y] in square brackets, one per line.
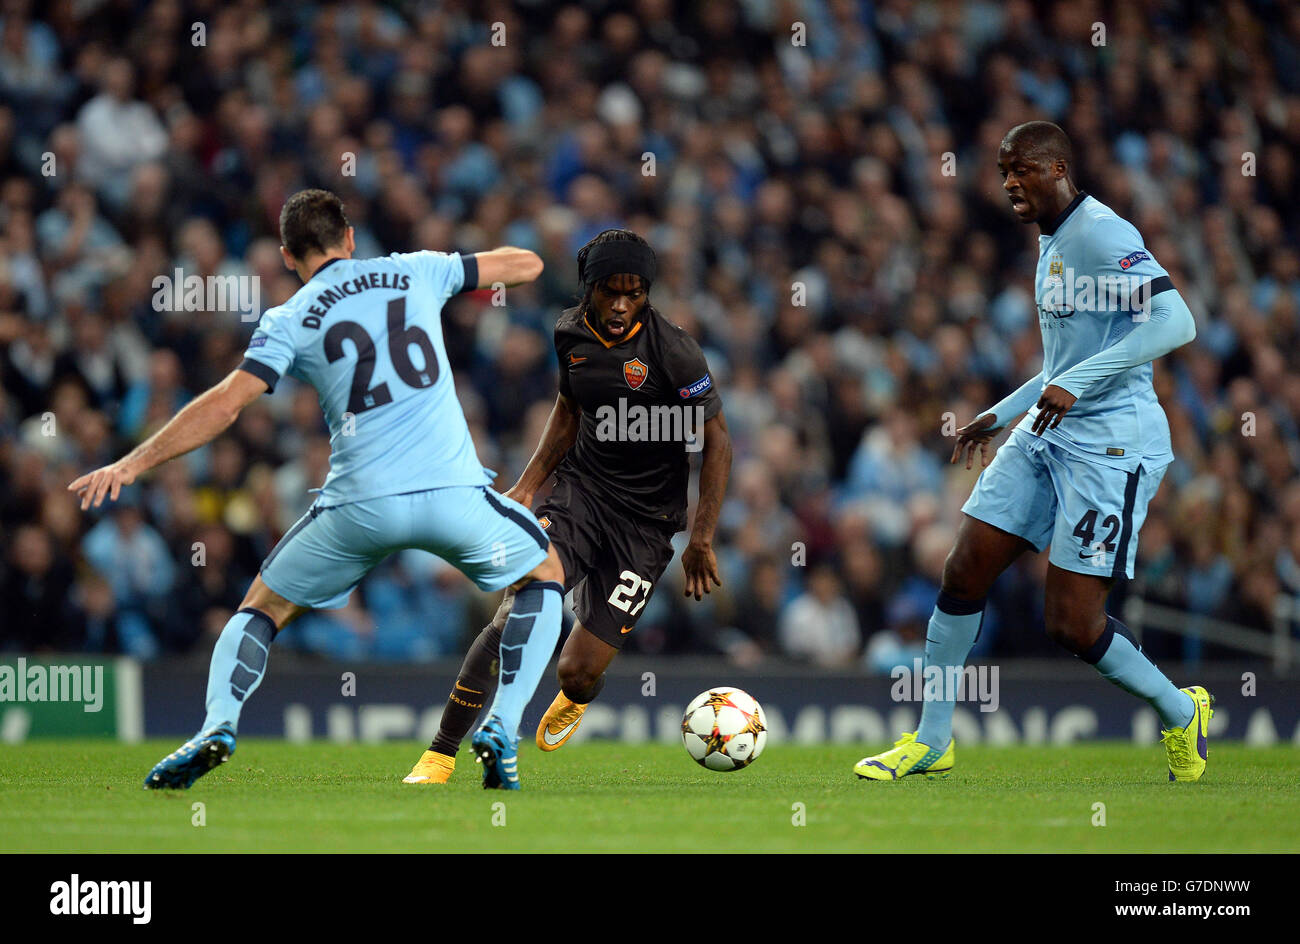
[1188, 748]
[908, 756]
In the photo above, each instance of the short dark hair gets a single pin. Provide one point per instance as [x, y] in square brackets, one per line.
[312, 220]
[1041, 139]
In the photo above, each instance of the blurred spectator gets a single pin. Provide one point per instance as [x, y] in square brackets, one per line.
[207, 593]
[134, 560]
[35, 595]
[903, 639]
[118, 133]
[819, 625]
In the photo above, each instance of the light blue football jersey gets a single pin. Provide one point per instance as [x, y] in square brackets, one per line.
[367, 334]
[1093, 272]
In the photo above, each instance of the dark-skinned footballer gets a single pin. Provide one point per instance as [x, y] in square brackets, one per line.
[1078, 471]
[636, 399]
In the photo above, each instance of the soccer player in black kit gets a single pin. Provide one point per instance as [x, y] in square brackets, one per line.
[636, 398]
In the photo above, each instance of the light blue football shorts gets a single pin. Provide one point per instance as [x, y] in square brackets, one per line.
[1088, 512]
[491, 539]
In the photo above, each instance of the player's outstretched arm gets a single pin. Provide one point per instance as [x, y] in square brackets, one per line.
[201, 421]
[507, 266]
[981, 430]
[557, 439]
[1168, 325]
[698, 561]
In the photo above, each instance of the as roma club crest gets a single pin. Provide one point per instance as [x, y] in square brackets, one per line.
[635, 372]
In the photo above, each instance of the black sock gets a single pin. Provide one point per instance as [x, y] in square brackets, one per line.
[587, 697]
[477, 679]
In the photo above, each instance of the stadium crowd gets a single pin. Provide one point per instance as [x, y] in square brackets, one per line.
[818, 179]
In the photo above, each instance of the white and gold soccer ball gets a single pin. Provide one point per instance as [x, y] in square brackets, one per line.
[724, 729]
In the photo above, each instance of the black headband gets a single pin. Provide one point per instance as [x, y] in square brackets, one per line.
[616, 257]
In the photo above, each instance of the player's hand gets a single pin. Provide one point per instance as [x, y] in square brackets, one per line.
[700, 567]
[1052, 405]
[93, 486]
[978, 432]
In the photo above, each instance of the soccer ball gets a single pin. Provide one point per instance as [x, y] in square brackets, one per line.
[724, 729]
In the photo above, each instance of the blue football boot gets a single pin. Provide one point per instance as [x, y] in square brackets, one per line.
[498, 754]
[179, 769]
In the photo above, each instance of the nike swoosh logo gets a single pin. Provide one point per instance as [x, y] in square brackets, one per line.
[575, 359]
[472, 691]
[625, 630]
[555, 739]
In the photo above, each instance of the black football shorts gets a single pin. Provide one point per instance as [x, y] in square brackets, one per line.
[612, 560]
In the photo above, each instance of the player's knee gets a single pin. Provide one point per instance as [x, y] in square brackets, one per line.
[262, 598]
[1069, 628]
[962, 577]
[503, 612]
[551, 568]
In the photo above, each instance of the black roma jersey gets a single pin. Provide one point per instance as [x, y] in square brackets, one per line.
[644, 399]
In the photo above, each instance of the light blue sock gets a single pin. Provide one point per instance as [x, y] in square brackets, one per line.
[1119, 658]
[238, 664]
[527, 642]
[954, 627]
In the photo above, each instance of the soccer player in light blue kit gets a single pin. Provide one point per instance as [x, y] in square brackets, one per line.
[1078, 471]
[367, 334]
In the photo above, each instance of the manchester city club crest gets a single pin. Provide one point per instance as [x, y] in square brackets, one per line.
[1056, 268]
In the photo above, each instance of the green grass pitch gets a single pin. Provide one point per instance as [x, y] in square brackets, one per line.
[86, 796]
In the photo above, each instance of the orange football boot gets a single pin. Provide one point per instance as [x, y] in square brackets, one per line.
[559, 723]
